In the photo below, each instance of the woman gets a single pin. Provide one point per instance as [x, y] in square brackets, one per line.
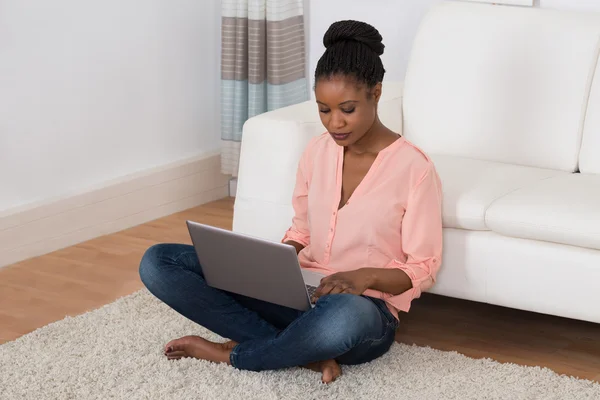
[367, 215]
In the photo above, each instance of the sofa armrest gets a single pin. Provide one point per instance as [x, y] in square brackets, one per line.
[390, 106]
[272, 144]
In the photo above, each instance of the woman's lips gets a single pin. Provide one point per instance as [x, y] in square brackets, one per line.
[340, 136]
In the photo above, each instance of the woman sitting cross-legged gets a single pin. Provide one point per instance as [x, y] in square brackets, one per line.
[367, 208]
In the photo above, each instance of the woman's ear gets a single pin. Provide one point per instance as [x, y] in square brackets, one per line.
[376, 91]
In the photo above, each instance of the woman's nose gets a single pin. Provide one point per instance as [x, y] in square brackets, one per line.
[337, 122]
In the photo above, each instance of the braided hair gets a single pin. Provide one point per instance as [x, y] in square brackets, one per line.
[352, 49]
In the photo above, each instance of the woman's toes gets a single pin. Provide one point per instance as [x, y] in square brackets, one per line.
[169, 346]
[175, 355]
[327, 376]
[330, 370]
[200, 348]
[178, 344]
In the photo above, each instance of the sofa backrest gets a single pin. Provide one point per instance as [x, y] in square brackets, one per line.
[500, 83]
[589, 157]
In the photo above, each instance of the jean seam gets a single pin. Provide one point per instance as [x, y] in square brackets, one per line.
[179, 257]
[248, 352]
[373, 342]
[232, 356]
[384, 311]
[388, 330]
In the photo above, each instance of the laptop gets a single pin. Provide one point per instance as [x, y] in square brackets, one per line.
[253, 267]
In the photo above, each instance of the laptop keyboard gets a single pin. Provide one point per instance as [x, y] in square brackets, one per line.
[311, 290]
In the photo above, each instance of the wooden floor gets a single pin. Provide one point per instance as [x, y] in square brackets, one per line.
[36, 292]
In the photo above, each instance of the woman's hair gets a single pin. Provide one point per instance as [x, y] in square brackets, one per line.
[352, 49]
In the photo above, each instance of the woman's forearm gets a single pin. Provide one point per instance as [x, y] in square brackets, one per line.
[387, 280]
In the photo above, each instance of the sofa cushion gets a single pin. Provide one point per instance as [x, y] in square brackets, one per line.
[471, 186]
[563, 209]
[506, 84]
[589, 157]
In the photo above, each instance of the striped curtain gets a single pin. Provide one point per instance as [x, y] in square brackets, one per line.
[262, 65]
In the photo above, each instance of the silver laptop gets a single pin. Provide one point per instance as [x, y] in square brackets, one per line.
[253, 267]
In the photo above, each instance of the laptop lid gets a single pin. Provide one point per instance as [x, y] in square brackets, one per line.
[249, 266]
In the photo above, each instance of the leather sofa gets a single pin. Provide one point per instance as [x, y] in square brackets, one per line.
[506, 101]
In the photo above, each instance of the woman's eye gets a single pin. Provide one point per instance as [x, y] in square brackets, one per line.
[349, 111]
[324, 111]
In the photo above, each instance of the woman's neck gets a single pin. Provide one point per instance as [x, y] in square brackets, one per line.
[377, 138]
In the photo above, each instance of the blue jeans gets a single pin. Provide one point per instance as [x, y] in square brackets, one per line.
[351, 329]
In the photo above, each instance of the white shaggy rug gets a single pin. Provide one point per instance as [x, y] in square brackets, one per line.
[116, 353]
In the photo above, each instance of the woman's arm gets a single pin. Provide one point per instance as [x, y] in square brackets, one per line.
[297, 245]
[392, 281]
[421, 239]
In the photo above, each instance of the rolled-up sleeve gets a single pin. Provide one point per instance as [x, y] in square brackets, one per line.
[299, 231]
[421, 239]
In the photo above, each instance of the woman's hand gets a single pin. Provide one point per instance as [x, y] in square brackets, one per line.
[352, 282]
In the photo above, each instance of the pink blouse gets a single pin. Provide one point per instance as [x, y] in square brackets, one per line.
[392, 220]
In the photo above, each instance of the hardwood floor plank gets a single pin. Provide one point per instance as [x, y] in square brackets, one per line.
[506, 335]
[89, 275]
[71, 281]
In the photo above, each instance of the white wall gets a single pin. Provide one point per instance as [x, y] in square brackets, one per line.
[95, 90]
[397, 21]
[578, 5]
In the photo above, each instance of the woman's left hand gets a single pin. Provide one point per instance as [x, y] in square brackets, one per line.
[352, 282]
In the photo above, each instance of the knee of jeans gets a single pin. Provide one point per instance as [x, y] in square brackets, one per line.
[349, 319]
[150, 265]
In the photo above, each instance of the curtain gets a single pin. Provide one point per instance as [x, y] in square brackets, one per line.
[262, 65]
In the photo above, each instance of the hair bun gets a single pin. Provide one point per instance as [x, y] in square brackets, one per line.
[349, 30]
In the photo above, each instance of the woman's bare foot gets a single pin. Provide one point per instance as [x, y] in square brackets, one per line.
[200, 348]
[330, 370]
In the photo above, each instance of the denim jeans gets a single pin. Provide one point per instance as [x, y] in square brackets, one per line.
[351, 329]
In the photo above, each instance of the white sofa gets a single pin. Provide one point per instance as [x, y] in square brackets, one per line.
[506, 100]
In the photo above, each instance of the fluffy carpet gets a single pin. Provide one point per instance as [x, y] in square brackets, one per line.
[116, 353]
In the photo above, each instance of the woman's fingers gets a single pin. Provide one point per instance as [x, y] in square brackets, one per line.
[322, 290]
[337, 289]
[328, 278]
[350, 290]
[331, 288]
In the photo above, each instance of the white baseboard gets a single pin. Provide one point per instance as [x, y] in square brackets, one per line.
[38, 229]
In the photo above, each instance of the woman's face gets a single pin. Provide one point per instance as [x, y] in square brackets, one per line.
[347, 109]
